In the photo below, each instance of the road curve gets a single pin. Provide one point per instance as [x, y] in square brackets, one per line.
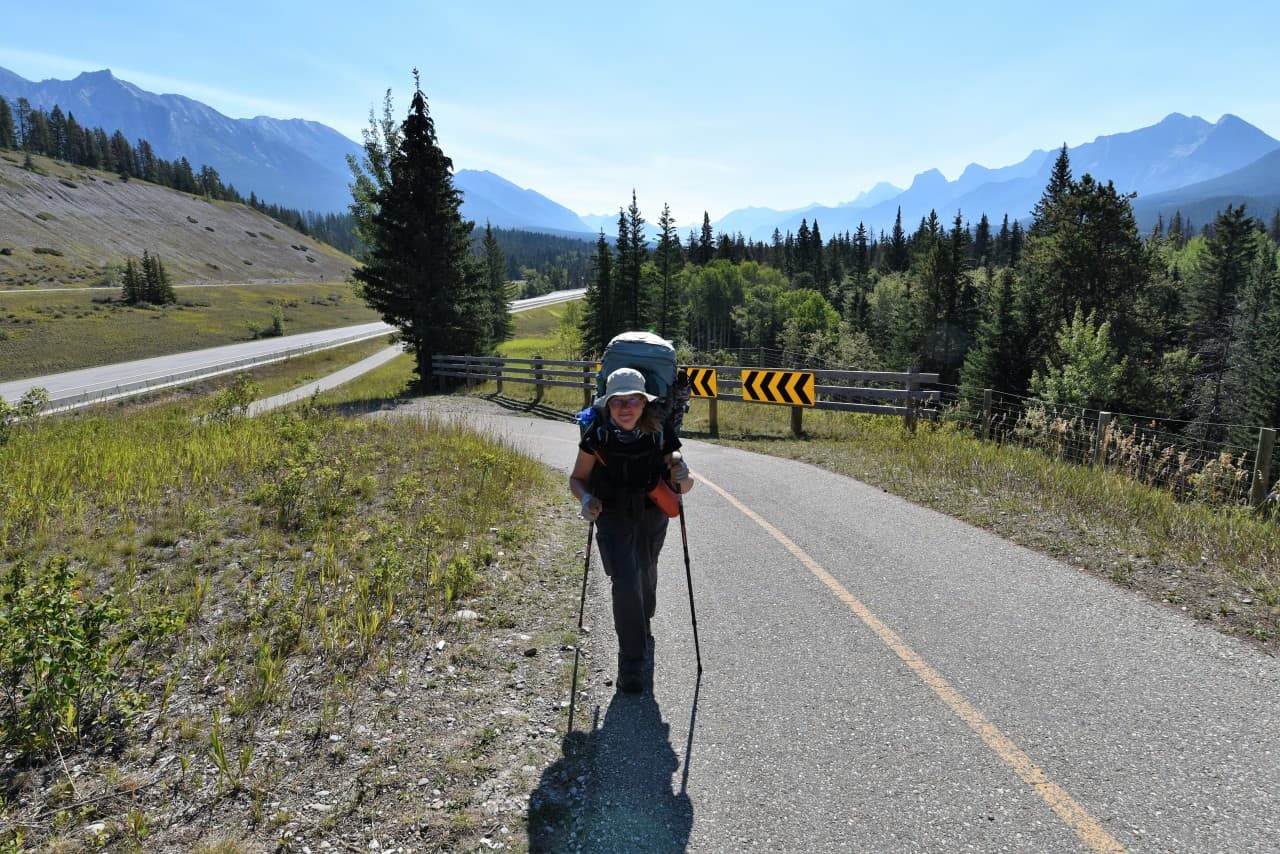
[879, 677]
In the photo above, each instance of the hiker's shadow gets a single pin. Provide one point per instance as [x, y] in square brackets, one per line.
[611, 790]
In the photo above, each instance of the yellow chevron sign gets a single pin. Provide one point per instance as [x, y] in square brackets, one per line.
[790, 387]
[702, 381]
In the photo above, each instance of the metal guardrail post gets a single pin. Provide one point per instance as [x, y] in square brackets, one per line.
[986, 414]
[537, 378]
[1100, 438]
[1262, 467]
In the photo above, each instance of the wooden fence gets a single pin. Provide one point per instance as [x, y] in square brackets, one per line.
[876, 392]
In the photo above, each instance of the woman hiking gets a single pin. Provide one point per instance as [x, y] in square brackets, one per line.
[624, 457]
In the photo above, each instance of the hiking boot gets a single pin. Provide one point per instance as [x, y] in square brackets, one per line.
[630, 681]
[631, 674]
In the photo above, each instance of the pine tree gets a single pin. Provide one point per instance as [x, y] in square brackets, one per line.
[899, 258]
[418, 271]
[706, 241]
[669, 262]
[981, 254]
[1212, 311]
[994, 360]
[598, 322]
[1060, 181]
[164, 285]
[8, 135]
[495, 268]
[631, 258]
[1256, 373]
[132, 287]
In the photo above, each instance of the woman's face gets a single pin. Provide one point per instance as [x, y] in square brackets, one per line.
[626, 409]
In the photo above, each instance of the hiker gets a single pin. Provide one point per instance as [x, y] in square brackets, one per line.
[624, 457]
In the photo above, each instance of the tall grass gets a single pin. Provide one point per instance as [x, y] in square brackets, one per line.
[229, 548]
[47, 333]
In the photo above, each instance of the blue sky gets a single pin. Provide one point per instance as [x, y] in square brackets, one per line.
[703, 105]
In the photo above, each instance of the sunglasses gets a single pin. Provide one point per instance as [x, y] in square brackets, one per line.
[628, 401]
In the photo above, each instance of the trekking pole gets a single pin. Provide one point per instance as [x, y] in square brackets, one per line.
[582, 604]
[586, 568]
[688, 574]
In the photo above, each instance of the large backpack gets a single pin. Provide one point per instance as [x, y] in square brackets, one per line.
[655, 358]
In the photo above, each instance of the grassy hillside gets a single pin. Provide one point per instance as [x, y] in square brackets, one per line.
[44, 333]
[65, 225]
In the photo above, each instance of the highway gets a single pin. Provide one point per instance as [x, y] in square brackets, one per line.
[108, 382]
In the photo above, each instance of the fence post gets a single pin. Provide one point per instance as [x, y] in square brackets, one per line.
[1262, 467]
[439, 366]
[466, 369]
[498, 371]
[986, 414]
[912, 385]
[1100, 438]
[797, 421]
[537, 378]
[588, 387]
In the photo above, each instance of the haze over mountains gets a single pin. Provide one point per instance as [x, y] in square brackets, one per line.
[1181, 163]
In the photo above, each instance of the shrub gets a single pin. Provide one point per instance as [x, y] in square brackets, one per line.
[45, 250]
[234, 400]
[30, 405]
[68, 183]
[60, 657]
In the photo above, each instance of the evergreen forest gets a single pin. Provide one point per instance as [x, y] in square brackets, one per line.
[1077, 309]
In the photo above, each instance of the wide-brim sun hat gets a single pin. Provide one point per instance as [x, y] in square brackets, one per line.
[624, 381]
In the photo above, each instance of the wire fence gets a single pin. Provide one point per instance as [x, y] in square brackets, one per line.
[1157, 452]
[1162, 453]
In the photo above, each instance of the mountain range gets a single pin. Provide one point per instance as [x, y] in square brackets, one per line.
[1181, 163]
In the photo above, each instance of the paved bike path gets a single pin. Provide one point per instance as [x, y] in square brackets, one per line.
[882, 677]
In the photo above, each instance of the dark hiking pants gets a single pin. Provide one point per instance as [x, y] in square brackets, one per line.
[630, 536]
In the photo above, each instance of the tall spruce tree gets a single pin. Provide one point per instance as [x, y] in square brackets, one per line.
[598, 321]
[631, 257]
[706, 241]
[495, 283]
[8, 135]
[994, 361]
[1060, 181]
[132, 286]
[1256, 368]
[899, 258]
[669, 260]
[418, 271]
[1213, 314]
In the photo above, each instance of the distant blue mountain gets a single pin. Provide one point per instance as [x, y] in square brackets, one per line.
[1177, 152]
[487, 197]
[1174, 164]
[292, 163]
[1256, 186]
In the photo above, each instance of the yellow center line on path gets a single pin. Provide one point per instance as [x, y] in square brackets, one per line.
[1066, 807]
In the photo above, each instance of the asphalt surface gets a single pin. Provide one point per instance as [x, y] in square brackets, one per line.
[106, 382]
[123, 379]
[879, 677]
